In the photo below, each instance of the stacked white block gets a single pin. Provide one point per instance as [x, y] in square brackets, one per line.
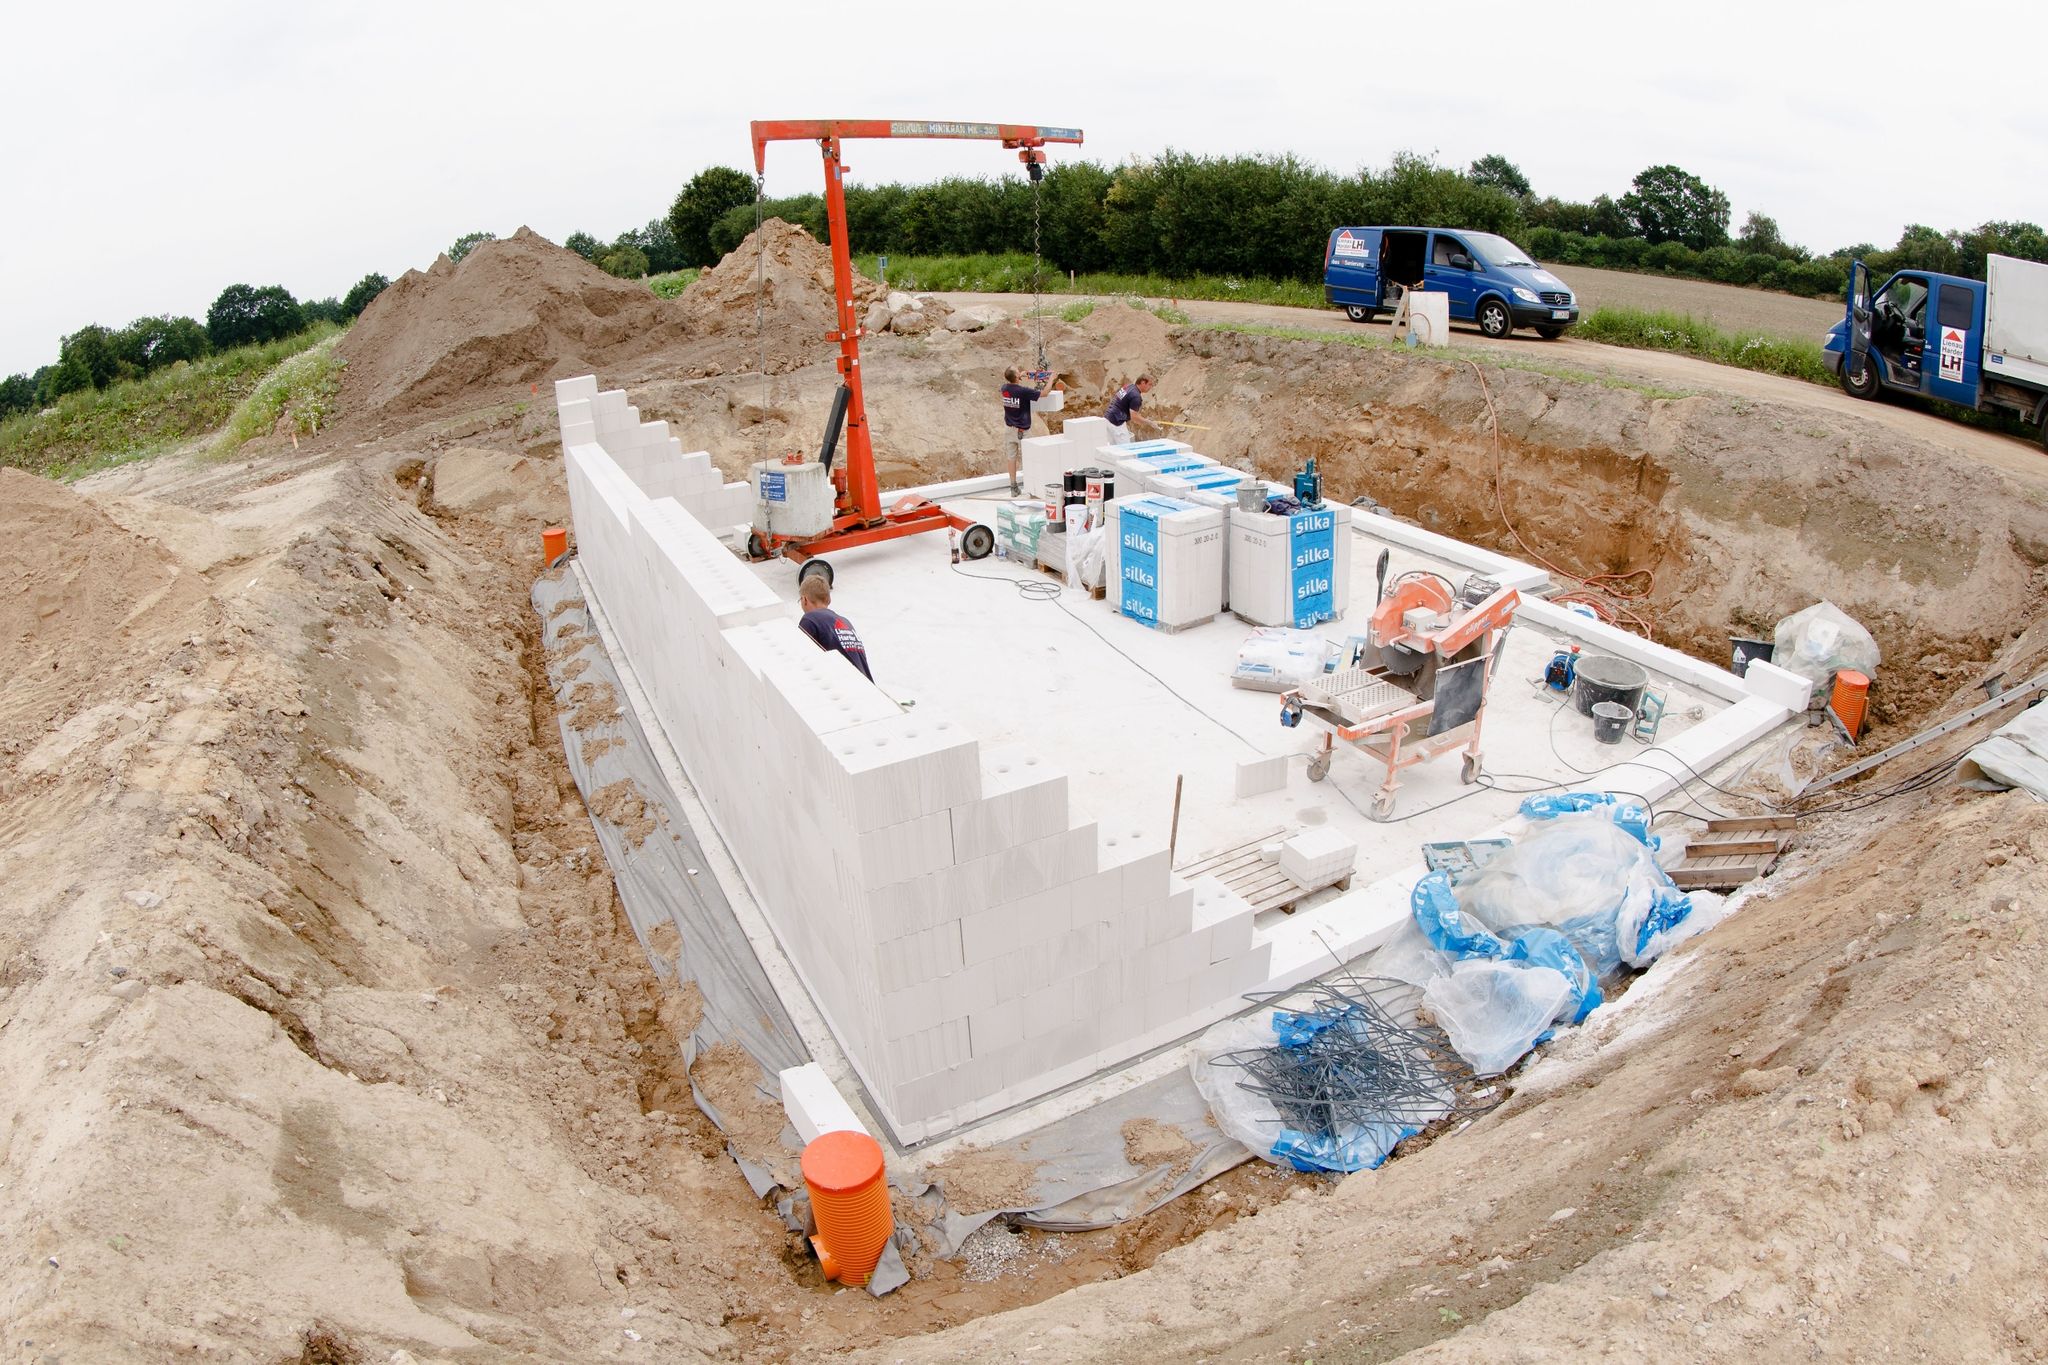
[969, 946]
[1164, 561]
[1264, 575]
[1318, 856]
[1087, 434]
[1044, 461]
[648, 455]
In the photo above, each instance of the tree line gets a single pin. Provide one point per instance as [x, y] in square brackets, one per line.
[1174, 215]
[1269, 217]
[243, 315]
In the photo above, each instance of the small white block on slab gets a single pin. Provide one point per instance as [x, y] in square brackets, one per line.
[813, 1104]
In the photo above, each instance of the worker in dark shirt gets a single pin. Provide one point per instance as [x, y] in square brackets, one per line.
[828, 628]
[1123, 409]
[1017, 401]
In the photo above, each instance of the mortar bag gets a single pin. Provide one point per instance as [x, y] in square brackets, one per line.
[1627, 814]
[1822, 640]
[1495, 1011]
[1549, 948]
[1445, 925]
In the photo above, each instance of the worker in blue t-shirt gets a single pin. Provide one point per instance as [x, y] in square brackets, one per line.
[828, 628]
[1123, 409]
[1017, 401]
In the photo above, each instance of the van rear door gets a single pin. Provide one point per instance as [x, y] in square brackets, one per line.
[1351, 268]
[1955, 340]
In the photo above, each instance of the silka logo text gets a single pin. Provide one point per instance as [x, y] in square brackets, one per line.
[1138, 574]
[1312, 554]
[1137, 540]
[1310, 587]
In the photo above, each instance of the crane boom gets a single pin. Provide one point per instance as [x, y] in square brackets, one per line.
[860, 519]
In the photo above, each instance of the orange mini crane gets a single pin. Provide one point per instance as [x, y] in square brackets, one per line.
[858, 515]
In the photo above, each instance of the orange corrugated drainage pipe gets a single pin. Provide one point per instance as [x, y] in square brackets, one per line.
[1850, 697]
[554, 543]
[850, 1200]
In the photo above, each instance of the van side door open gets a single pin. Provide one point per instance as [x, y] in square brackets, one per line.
[1451, 272]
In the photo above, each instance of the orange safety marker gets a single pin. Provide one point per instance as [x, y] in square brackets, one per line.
[554, 543]
[1849, 700]
[850, 1200]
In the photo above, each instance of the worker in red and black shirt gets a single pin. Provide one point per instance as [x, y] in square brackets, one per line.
[1017, 401]
[1123, 409]
[826, 627]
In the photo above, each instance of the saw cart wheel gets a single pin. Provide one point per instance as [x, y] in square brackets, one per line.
[1468, 771]
[1382, 805]
[1319, 766]
[977, 542]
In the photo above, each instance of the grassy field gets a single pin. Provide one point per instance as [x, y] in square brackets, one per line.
[1729, 307]
[95, 428]
[1010, 273]
[1687, 335]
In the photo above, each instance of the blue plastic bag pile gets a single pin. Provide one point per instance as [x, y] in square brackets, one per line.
[1525, 942]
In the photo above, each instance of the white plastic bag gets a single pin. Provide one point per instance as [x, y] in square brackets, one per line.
[1570, 868]
[1084, 558]
[1495, 1011]
[1822, 640]
[1274, 659]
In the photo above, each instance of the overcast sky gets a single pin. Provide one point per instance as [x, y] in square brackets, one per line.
[161, 152]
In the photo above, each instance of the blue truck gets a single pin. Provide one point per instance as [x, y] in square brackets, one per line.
[1490, 280]
[1980, 344]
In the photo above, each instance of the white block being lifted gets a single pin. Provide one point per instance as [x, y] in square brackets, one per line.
[814, 1105]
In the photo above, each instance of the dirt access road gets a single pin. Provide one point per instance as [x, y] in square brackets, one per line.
[1675, 374]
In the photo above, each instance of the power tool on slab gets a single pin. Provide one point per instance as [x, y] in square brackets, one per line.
[1563, 670]
[1308, 485]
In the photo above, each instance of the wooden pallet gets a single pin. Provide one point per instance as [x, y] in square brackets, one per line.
[1240, 868]
[1731, 852]
[1060, 576]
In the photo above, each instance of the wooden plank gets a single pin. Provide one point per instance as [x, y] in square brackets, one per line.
[1748, 822]
[1200, 866]
[1710, 848]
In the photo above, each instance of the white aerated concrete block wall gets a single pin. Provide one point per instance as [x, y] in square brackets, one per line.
[971, 947]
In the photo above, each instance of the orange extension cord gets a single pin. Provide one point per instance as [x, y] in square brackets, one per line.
[1606, 593]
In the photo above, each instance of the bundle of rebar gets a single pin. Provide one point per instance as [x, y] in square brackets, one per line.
[1345, 1060]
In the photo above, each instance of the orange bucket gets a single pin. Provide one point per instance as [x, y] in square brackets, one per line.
[1849, 699]
[554, 543]
[850, 1199]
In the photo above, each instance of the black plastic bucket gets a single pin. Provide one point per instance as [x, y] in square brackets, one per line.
[1743, 651]
[1610, 721]
[1602, 677]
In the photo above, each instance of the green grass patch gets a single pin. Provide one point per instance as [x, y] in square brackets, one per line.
[1075, 312]
[300, 391]
[1689, 336]
[672, 284]
[94, 429]
[1010, 273]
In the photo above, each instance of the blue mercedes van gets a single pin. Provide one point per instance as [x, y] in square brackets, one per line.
[1490, 280]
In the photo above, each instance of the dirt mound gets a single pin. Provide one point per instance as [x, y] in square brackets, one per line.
[794, 270]
[78, 583]
[512, 313]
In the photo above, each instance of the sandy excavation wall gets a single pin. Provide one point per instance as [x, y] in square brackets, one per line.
[1742, 511]
[971, 945]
